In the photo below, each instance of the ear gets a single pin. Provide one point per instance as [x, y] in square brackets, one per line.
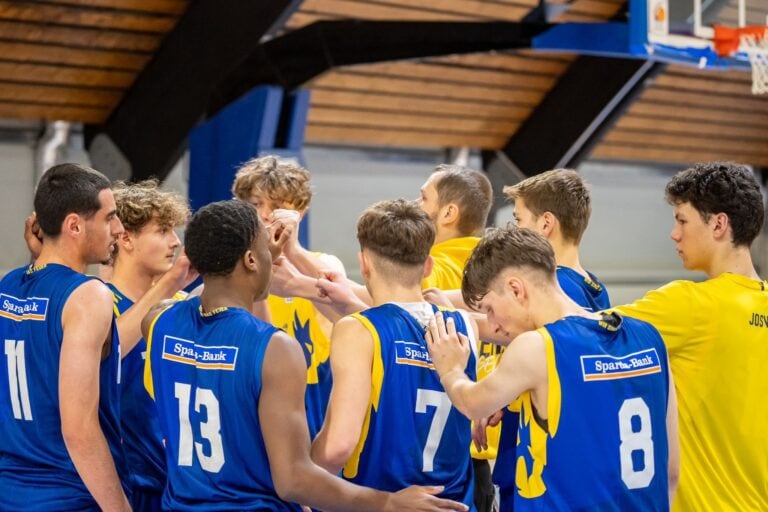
[428, 267]
[516, 287]
[721, 225]
[250, 262]
[365, 266]
[547, 223]
[125, 241]
[72, 225]
[449, 214]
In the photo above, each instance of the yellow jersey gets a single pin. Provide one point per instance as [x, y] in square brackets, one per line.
[716, 333]
[449, 259]
[299, 318]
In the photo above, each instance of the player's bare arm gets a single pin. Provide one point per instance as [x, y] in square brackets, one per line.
[86, 322]
[351, 360]
[673, 439]
[129, 323]
[284, 427]
[522, 367]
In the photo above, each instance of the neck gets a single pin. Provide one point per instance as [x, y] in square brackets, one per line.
[443, 234]
[225, 292]
[567, 255]
[386, 290]
[57, 251]
[130, 279]
[734, 260]
[552, 304]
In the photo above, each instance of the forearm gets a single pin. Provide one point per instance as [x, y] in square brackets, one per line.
[464, 394]
[361, 292]
[93, 461]
[321, 490]
[129, 323]
[304, 261]
[328, 455]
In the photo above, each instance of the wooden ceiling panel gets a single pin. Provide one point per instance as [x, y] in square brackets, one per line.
[71, 37]
[16, 110]
[78, 16]
[46, 74]
[331, 134]
[171, 7]
[47, 54]
[53, 95]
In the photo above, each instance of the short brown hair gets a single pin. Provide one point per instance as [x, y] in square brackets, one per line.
[139, 203]
[561, 192]
[279, 180]
[399, 232]
[470, 190]
[501, 248]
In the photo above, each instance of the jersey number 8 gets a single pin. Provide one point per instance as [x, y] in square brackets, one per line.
[636, 441]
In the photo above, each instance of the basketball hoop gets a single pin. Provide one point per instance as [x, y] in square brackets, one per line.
[751, 40]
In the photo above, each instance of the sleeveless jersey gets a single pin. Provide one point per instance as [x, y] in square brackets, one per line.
[142, 438]
[36, 471]
[604, 444]
[412, 434]
[590, 294]
[204, 372]
[298, 317]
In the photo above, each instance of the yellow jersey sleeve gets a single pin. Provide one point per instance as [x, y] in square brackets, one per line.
[669, 309]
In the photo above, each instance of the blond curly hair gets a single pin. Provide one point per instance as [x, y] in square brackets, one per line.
[277, 179]
[139, 203]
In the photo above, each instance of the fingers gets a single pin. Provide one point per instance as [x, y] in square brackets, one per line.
[432, 489]
[495, 418]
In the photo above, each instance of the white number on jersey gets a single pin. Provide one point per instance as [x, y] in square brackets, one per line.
[210, 429]
[17, 380]
[442, 404]
[632, 441]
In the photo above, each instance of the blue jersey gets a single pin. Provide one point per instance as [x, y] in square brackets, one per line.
[36, 471]
[204, 371]
[142, 438]
[603, 445]
[412, 434]
[588, 293]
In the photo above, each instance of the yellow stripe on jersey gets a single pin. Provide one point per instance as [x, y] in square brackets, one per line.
[532, 485]
[377, 381]
[149, 384]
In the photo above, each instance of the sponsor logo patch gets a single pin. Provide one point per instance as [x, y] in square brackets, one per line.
[204, 357]
[413, 354]
[31, 308]
[604, 367]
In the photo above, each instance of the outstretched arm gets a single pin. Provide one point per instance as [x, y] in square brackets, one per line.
[351, 361]
[522, 367]
[87, 323]
[284, 427]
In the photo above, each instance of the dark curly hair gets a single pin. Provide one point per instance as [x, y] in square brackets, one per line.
[722, 187]
[219, 234]
[499, 249]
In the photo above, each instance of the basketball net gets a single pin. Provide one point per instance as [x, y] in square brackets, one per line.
[754, 42]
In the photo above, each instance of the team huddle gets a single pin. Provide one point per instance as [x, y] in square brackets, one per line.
[473, 369]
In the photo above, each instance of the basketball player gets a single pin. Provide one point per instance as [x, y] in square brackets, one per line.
[230, 388]
[715, 332]
[598, 416]
[389, 423]
[60, 440]
[144, 274]
[277, 189]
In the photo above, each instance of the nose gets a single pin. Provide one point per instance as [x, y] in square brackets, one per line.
[675, 233]
[117, 226]
[265, 214]
[175, 241]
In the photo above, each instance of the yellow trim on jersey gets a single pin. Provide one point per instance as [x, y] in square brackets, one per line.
[377, 381]
[532, 485]
[149, 384]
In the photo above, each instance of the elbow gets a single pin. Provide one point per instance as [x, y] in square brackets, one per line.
[288, 489]
[673, 479]
[334, 454]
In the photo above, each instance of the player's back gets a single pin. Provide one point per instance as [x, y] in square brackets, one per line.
[36, 470]
[604, 443]
[412, 434]
[205, 374]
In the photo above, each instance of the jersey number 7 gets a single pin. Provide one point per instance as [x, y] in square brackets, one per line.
[442, 404]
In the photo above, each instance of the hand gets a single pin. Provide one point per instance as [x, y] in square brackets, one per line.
[283, 274]
[479, 436]
[181, 274]
[335, 289]
[279, 235]
[33, 236]
[290, 220]
[495, 418]
[437, 297]
[417, 499]
[449, 350]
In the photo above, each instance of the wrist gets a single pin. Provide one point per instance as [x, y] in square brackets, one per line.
[451, 377]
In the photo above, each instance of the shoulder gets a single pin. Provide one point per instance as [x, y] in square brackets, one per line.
[351, 325]
[91, 291]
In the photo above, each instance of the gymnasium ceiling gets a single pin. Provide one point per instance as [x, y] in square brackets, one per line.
[76, 60]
